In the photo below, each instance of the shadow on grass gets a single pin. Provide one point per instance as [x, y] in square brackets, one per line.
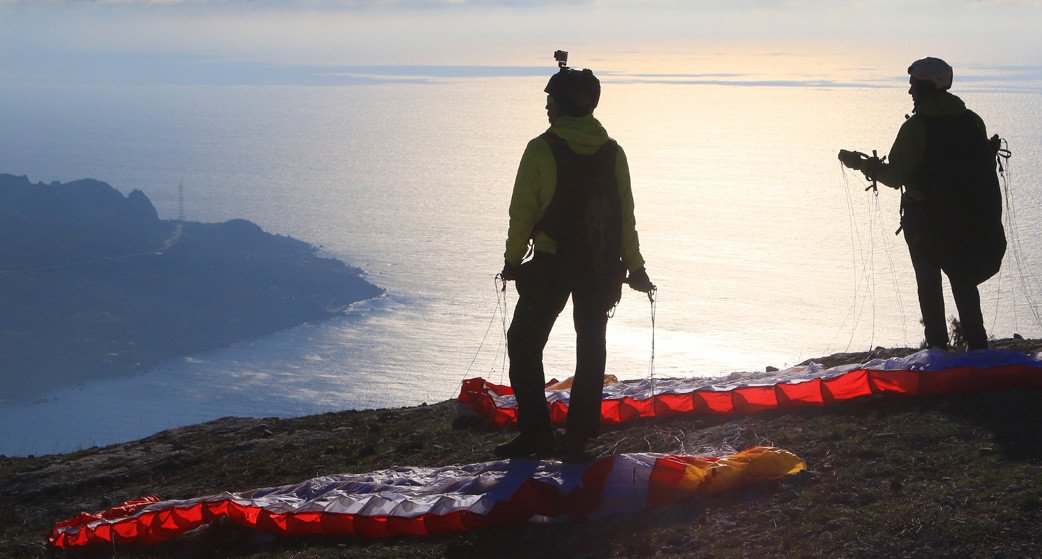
[1013, 417]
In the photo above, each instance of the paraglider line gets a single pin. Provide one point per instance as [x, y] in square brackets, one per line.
[897, 285]
[653, 299]
[870, 270]
[500, 309]
[1016, 243]
[503, 310]
[855, 249]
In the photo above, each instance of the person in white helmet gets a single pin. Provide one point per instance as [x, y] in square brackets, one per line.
[951, 208]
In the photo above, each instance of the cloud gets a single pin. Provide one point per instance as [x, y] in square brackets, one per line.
[492, 32]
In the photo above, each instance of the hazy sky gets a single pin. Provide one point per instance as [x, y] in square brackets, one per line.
[42, 37]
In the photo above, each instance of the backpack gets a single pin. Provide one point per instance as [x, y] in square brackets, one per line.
[584, 217]
[962, 212]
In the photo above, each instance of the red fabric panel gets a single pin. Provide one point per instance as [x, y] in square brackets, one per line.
[716, 402]
[371, 526]
[665, 476]
[673, 404]
[585, 499]
[339, 523]
[951, 381]
[246, 515]
[460, 521]
[751, 399]
[475, 394]
[807, 393]
[629, 409]
[1014, 377]
[304, 523]
[895, 382]
[611, 413]
[406, 526]
[558, 414]
[539, 498]
[467, 521]
[850, 385]
[497, 389]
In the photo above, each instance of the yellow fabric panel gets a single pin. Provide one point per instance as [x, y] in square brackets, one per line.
[750, 466]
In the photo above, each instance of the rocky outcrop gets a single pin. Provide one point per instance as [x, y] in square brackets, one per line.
[95, 285]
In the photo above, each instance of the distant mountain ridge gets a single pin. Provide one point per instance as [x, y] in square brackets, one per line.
[93, 284]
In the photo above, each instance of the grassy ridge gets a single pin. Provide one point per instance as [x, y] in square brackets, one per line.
[889, 477]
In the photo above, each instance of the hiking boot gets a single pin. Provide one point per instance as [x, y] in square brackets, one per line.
[570, 449]
[527, 446]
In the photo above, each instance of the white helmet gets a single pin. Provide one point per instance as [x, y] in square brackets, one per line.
[932, 69]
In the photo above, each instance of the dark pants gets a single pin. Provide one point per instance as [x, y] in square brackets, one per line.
[931, 298]
[544, 286]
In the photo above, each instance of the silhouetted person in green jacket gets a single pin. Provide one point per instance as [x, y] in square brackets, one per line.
[951, 208]
[572, 201]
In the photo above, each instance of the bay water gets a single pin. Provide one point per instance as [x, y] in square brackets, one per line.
[764, 250]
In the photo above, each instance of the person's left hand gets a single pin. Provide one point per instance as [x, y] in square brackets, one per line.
[852, 159]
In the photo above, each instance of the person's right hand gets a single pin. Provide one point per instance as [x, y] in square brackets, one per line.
[510, 271]
[639, 281]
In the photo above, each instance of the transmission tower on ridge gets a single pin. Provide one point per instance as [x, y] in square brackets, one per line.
[180, 201]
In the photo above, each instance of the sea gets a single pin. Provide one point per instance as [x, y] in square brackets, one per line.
[764, 250]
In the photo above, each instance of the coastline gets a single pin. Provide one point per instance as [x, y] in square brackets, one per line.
[97, 286]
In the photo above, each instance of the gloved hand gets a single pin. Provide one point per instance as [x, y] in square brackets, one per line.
[510, 271]
[639, 280]
[852, 159]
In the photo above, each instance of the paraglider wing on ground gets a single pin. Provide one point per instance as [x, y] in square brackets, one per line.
[926, 373]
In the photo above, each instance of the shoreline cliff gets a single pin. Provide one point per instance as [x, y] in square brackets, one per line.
[95, 285]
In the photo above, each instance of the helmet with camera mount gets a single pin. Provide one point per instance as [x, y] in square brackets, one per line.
[576, 92]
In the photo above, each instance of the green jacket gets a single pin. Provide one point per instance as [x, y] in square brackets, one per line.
[537, 178]
[910, 144]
